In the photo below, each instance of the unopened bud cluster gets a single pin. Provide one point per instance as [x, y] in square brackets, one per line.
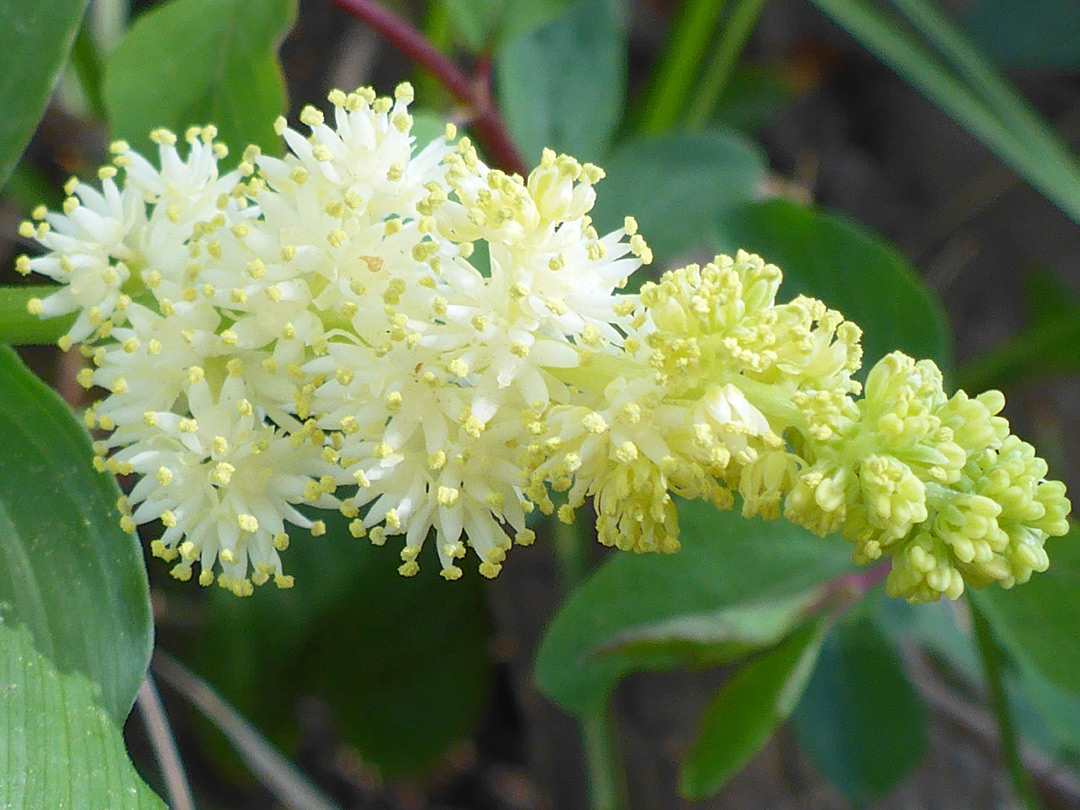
[436, 349]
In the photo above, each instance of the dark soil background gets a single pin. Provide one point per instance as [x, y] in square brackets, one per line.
[856, 139]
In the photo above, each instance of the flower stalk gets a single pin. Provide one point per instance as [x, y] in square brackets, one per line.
[994, 670]
[474, 92]
[599, 734]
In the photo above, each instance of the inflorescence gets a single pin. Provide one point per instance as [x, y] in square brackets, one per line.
[435, 348]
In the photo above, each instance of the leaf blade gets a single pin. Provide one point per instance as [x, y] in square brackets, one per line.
[860, 722]
[39, 36]
[58, 748]
[563, 86]
[726, 562]
[678, 186]
[66, 568]
[746, 711]
[226, 53]
[1037, 621]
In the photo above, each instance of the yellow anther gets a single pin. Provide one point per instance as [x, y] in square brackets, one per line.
[626, 453]
[222, 474]
[447, 496]
[311, 116]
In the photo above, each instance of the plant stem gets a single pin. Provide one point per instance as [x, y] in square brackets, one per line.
[18, 327]
[599, 735]
[744, 18]
[277, 774]
[476, 95]
[993, 665]
[164, 745]
[673, 77]
[600, 741]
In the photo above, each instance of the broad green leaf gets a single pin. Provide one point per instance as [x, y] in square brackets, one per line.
[484, 23]
[201, 62]
[934, 627]
[37, 38]
[850, 269]
[564, 85]
[58, 747]
[1027, 33]
[677, 187]
[746, 712]
[402, 663]
[1037, 622]
[715, 638]
[66, 569]
[728, 568]
[1046, 713]
[860, 721]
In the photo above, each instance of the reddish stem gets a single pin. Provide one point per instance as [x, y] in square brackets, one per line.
[843, 592]
[474, 93]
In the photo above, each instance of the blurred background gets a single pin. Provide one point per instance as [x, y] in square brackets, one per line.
[393, 694]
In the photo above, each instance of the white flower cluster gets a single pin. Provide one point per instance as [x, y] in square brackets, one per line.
[357, 316]
[435, 348]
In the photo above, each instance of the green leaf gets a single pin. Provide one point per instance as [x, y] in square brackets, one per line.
[1041, 34]
[484, 23]
[58, 748]
[850, 269]
[936, 628]
[1046, 713]
[66, 569]
[706, 594]
[678, 186]
[715, 638]
[860, 722]
[201, 62]
[37, 38]
[746, 712]
[1037, 622]
[564, 86]
[403, 663]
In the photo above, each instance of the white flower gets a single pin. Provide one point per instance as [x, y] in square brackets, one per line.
[224, 484]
